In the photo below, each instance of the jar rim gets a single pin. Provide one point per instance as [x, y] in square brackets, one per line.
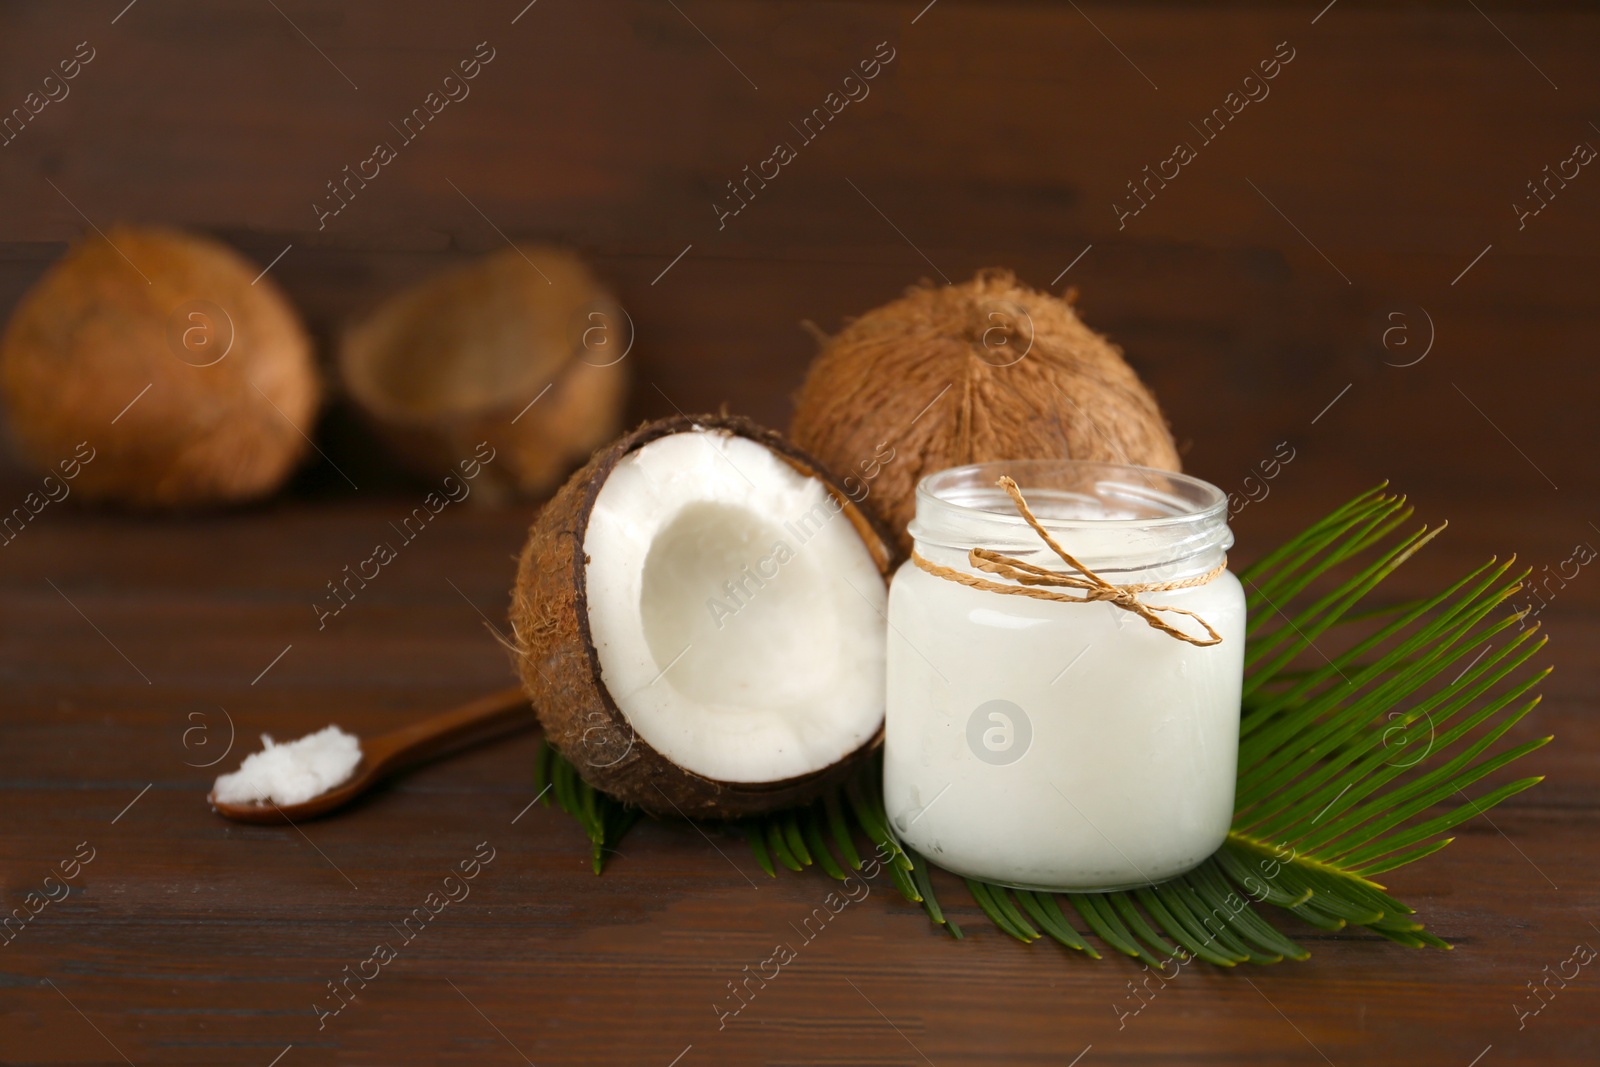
[1201, 499]
[1113, 517]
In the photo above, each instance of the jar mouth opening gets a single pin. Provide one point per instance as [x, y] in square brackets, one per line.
[1072, 494]
[1113, 517]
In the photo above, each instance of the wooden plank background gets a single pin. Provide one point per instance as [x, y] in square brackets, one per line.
[1377, 179]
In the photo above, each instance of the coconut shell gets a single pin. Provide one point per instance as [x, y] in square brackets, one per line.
[190, 384]
[523, 349]
[987, 370]
[560, 668]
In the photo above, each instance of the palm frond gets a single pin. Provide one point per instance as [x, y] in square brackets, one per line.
[602, 818]
[1362, 730]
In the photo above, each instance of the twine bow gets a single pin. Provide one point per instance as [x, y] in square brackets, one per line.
[1090, 585]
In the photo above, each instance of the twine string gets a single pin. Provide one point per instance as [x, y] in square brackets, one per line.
[1040, 583]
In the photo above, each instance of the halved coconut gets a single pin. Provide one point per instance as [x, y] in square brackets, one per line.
[699, 621]
[523, 349]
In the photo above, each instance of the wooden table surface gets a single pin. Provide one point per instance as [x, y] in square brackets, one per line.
[1259, 293]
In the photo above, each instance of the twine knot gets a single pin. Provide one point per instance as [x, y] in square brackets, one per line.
[1091, 588]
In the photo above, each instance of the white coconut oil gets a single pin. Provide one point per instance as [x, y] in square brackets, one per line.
[1064, 746]
[293, 772]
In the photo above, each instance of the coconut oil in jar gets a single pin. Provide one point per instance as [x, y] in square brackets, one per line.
[1068, 746]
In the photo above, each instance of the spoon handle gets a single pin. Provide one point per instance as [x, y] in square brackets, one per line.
[494, 715]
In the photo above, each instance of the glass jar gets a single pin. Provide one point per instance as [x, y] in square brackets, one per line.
[1064, 746]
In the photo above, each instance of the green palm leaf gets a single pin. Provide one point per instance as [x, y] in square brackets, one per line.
[1363, 730]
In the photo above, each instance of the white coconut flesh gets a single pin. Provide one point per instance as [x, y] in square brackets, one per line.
[736, 612]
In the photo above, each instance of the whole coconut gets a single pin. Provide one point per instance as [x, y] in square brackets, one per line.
[523, 349]
[987, 370]
[189, 384]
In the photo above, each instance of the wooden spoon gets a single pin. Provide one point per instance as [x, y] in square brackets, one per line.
[487, 717]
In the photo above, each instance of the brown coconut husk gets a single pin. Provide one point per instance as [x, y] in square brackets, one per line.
[108, 320]
[958, 374]
[522, 349]
[560, 669]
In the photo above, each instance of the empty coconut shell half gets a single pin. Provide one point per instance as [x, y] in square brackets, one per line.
[164, 361]
[698, 618]
[522, 349]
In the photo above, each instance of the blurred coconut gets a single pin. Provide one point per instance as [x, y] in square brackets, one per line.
[522, 349]
[189, 378]
[958, 374]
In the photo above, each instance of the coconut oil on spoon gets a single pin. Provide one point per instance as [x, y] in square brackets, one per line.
[328, 769]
